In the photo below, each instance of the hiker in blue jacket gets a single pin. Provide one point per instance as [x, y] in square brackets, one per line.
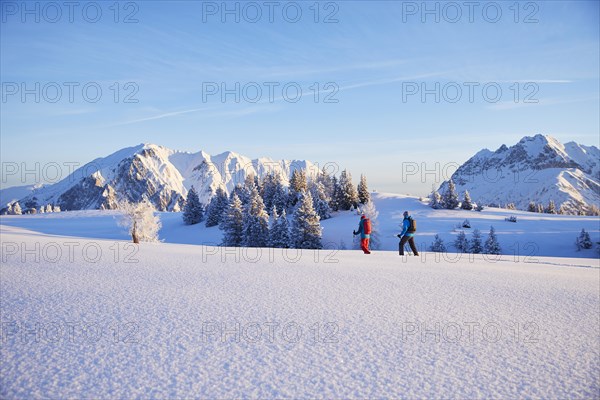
[407, 234]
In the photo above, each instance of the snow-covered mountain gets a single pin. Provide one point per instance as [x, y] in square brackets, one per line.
[162, 174]
[537, 169]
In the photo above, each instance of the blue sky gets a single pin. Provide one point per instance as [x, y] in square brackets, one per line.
[374, 54]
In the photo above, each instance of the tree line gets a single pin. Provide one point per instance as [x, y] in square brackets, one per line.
[266, 213]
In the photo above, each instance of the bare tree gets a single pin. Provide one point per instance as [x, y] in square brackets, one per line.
[140, 220]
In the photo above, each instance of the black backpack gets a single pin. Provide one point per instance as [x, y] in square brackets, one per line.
[412, 227]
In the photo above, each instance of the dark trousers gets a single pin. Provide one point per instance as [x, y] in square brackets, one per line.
[411, 242]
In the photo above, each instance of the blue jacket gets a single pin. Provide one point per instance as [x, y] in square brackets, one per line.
[405, 226]
[361, 230]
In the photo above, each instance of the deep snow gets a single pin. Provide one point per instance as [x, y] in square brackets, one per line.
[109, 320]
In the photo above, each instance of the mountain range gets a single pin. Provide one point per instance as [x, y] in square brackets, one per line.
[163, 175]
[537, 169]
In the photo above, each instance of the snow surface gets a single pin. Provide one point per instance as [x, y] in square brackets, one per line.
[533, 235]
[159, 321]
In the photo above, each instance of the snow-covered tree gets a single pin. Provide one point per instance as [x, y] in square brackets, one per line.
[461, 243]
[139, 220]
[193, 211]
[267, 189]
[48, 208]
[475, 245]
[16, 209]
[438, 245]
[42, 210]
[231, 223]
[56, 208]
[466, 224]
[435, 201]
[466, 203]
[369, 210]
[216, 208]
[9, 209]
[583, 240]
[241, 192]
[450, 197]
[363, 190]
[551, 209]
[347, 197]
[540, 208]
[250, 182]
[298, 184]
[306, 229]
[273, 192]
[255, 221]
[328, 183]
[532, 207]
[320, 203]
[333, 203]
[491, 243]
[511, 206]
[279, 234]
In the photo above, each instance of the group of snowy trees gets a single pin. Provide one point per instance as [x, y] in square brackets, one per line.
[539, 208]
[449, 199]
[474, 245]
[249, 225]
[255, 214]
[15, 209]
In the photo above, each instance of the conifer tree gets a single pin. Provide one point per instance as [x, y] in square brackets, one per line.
[438, 245]
[232, 221]
[436, 201]
[461, 243]
[333, 203]
[491, 243]
[363, 191]
[255, 221]
[583, 240]
[320, 204]
[193, 211]
[241, 192]
[347, 197]
[466, 203]
[328, 183]
[216, 208]
[450, 197]
[306, 230]
[475, 245]
[279, 233]
[298, 184]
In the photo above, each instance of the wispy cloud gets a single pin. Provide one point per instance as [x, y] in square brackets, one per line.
[550, 101]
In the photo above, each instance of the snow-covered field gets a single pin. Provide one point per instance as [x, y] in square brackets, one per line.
[533, 235]
[85, 314]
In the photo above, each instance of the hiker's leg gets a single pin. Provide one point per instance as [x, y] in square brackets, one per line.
[364, 245]
[413, 247]
[402, 243]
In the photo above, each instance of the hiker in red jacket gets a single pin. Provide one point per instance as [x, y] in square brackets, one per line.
[364, 229]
